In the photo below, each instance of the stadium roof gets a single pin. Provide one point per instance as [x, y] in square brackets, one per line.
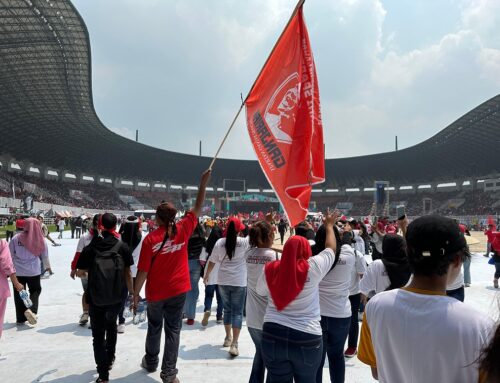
[47, 117]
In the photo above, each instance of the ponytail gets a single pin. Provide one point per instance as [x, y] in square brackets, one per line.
[231, 237]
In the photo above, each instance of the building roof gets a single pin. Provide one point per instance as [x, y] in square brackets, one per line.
[47, 117]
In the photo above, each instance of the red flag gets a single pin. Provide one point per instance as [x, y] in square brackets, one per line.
[284, 120]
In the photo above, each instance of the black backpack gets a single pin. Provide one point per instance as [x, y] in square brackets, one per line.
[107, 278]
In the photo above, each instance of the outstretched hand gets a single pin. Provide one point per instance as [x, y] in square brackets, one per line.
[330, 218]
[205, 177]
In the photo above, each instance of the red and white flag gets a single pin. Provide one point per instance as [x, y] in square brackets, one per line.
[284, 120]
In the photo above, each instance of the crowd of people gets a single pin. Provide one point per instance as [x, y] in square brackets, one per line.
[302, 301]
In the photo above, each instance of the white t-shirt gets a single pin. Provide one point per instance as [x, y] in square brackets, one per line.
[375, 280]
[232, 272]
[359, 270]
[61, 224]
[84, 241]
[135, 254]
[360, 243]
[334, 288]
[414, 337]
[457, 283]
[256, 304]
[377, 241]
[303, 313]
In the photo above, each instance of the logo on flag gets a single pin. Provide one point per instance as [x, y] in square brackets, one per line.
[284, 120]
[281, 110]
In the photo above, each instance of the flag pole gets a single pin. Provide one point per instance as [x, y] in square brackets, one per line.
[297, 7]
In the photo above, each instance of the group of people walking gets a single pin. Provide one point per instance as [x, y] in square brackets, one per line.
[301, 303]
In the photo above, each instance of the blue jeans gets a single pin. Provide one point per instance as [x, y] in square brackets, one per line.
[233, 298]
[457, 293]
[210, 290]
[258, 367]
[290, 355]
[192, 295]
[467, 278]
[335, 332]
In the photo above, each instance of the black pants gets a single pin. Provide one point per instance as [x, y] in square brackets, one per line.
[282, 236]
[72, 233]
[78, 232]
[9, 235]
[35, 289]
[354, 329]
[103, 322]
[166, 314]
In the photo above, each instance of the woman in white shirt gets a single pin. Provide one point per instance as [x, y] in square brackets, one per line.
[292, 336]
[261, 238]
[229, 253]
[390, 272]
[335, 306]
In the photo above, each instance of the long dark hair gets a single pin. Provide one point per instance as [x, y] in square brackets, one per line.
[231, 237]
[259, 234]
[131, 234]
[215, 235]
[167, 212]
[320, 244]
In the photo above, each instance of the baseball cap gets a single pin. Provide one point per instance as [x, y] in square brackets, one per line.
[434, 236]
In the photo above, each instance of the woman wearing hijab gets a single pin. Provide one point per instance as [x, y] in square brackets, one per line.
[292, 335]
[229, 253]
[390, 272]
[7, 270]
[29, 250]
[132, 235]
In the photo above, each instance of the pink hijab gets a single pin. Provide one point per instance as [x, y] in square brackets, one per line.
[32, 237]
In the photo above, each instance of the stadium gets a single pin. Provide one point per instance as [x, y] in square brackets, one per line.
[48, 124]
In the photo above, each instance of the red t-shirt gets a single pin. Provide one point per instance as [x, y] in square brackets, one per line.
[169, 275]
[490, 235]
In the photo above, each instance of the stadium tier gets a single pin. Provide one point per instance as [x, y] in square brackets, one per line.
[48, 120]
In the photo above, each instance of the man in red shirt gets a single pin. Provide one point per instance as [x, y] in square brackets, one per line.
[489, 234]
[164, 264]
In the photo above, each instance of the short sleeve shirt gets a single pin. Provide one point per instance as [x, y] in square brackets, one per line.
[168, 271]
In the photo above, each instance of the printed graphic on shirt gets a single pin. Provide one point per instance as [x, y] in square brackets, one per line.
[169, 247]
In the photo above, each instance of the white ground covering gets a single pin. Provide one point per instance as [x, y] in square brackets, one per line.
[58, 350]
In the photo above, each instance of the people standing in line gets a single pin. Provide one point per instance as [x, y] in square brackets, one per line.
[7, 270]
[211, 287]
[292, 335]
[335, 307]
[282, 229]
[164, 264]
[355, 299]
[229, 253]
[106, 262]
[60, 225]
[82, 243]
[29, 251]
[417, 333]
[392, 271]
[196, 244]
[261, 239]
[132, 235]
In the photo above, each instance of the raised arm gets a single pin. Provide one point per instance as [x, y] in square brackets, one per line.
[205, 177]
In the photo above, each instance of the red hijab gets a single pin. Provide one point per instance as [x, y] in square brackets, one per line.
[32, 237]
[286, 277]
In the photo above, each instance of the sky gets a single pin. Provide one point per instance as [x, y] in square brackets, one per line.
[175, 69]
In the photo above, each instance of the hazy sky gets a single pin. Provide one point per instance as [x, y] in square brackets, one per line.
[174, 69]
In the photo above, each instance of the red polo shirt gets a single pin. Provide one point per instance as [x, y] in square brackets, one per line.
[168, 271]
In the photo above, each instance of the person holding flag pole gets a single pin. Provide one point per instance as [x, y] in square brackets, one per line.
[284, 120]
